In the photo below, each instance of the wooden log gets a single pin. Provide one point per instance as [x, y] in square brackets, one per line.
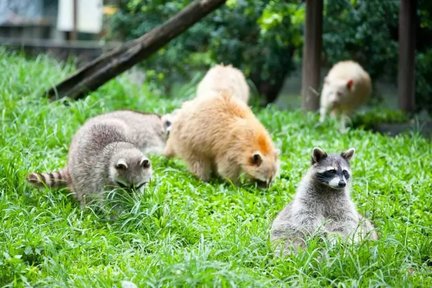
[312, 55]
[111, 64]
[406, 65]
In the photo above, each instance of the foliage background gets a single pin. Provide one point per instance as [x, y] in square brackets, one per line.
[244, 33]
[264, 39]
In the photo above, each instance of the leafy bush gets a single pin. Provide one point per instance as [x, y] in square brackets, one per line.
[424, 57]
[259, 37]
[423, 80]
[263, 38]
[367, 31]
[362, 31]
[378, 115]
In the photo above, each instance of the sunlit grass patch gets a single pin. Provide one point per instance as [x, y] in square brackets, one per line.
[181, 231]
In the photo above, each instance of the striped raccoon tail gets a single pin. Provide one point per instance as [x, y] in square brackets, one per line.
[51, 179]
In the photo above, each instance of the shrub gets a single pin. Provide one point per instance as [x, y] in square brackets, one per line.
[259, 37]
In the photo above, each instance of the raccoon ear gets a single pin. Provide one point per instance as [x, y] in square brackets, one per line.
[349, 84]
[256, 159]
[347, 155]
[145, 163]
[121, 165]
[318, 154]
[326, 81]
[167, 124]
[166, 120]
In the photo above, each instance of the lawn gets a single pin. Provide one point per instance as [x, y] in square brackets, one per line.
[183, 232]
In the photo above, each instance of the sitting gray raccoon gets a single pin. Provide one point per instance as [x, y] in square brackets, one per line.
[108, 152]
[321, 205]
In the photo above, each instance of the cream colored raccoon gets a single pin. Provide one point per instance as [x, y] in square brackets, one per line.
[224, 78]
[321, 205]
[221, 134]
[107, 152]
[346, 87]
[219, 78]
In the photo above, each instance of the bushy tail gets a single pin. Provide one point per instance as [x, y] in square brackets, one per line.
[50, 179]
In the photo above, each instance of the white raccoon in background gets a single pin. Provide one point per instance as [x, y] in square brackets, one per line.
[225, 78]
[346, 87]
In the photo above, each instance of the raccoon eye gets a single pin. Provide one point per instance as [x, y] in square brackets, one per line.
[145, 163]
[256, 159]
[345, 174]
[121, 166]
[332, 171]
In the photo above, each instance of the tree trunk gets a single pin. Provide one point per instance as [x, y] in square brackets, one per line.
[407, 40]
[107, 66]
[312, 55]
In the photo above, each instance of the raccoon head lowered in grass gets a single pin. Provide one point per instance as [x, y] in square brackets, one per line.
[261, 161]
[130, 169]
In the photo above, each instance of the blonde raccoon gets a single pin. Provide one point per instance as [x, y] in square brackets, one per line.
[218, 79]
[221, 134]
[224, 78]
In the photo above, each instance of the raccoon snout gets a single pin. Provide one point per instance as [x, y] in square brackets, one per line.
[263, 184]
[122, 185]
[131, 186]
[341, 184]
[139, 186]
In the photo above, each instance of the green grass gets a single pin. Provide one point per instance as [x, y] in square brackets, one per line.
[183, 232]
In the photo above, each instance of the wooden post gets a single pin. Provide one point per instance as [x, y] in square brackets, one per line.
[406, 68]
[111, 64]
[74, 33]
[312, 55]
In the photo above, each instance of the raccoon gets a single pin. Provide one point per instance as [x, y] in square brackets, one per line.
[218, 79]
[346, 87]
[168, 120]
[221, 134]
[322, 205]
[149, 132]
[106, 153]
[224, 78]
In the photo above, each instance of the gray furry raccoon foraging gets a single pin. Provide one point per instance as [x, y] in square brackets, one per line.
[322, 204]
[108, 152]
